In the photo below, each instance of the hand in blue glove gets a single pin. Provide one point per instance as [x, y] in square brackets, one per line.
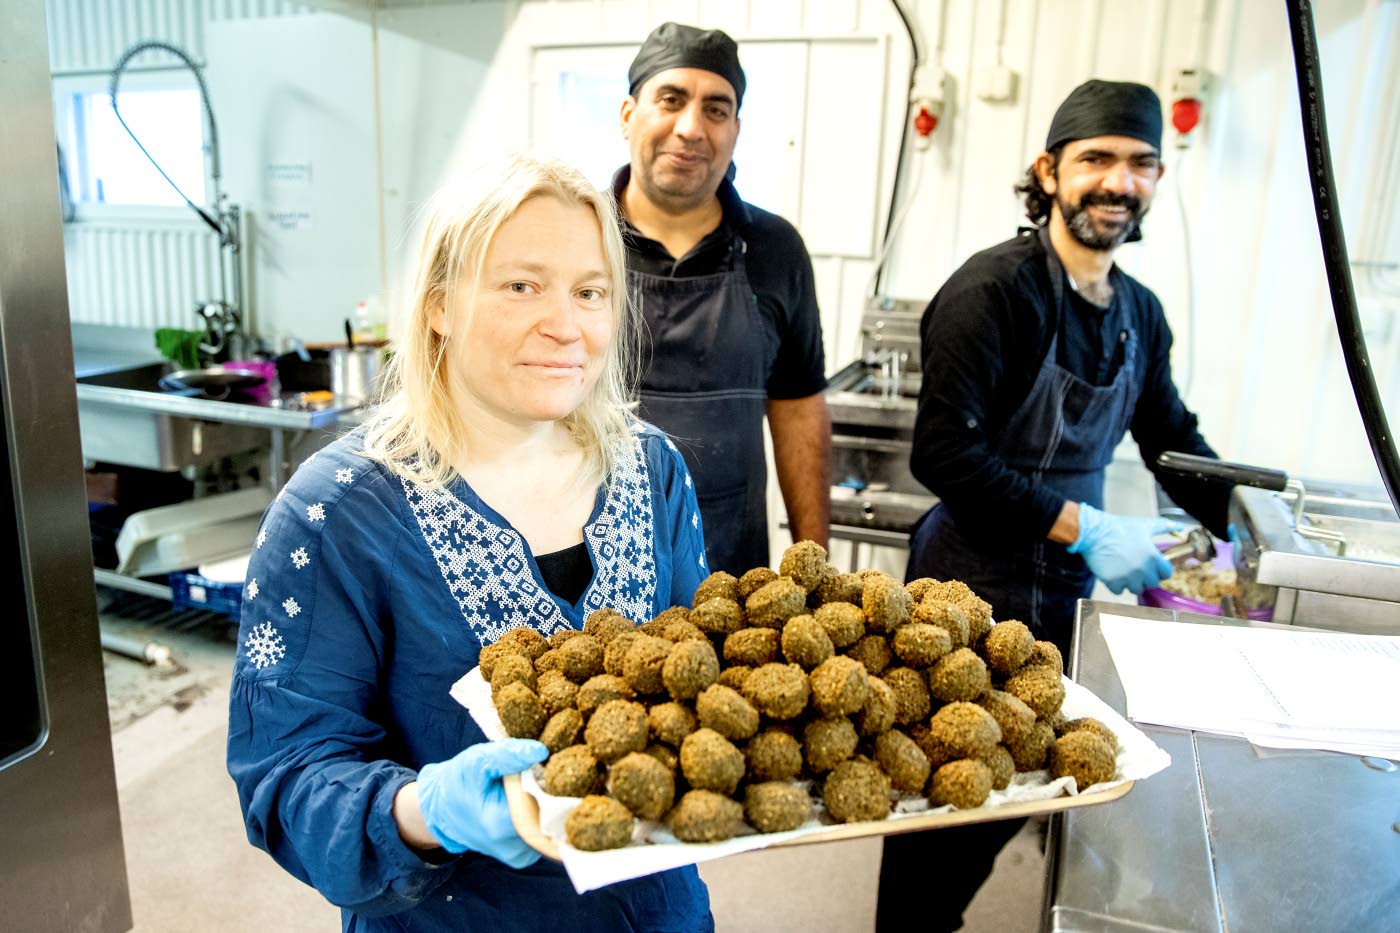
[1119, 548]
[464, 802]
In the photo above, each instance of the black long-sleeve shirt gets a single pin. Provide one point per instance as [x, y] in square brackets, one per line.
[985, 336]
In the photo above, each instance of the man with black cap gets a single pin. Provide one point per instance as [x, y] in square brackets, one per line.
[1039, 354]
[727, 293]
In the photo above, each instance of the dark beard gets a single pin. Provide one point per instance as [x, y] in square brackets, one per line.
[1083, 228]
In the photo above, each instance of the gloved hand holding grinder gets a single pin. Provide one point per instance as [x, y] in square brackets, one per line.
[1119, 548]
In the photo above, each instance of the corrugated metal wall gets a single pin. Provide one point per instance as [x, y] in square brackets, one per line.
[140, 276]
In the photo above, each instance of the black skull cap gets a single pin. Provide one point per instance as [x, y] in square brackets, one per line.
[1108, 108]
[673, 45]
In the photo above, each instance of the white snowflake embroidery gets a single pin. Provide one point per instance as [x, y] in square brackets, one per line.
[694, 520]
[300, 558]
[701, 562]
[487, 571]
[672, 446]
[344, 475]
[265, 646]
[262, 538]
[316, 513]
[253, 588]
[290, 606]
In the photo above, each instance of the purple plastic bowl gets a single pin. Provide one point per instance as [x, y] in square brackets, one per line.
[1159, 598]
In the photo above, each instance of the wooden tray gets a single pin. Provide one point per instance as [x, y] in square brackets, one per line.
[525, 814]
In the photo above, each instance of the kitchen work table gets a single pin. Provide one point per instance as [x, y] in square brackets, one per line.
[1230, 837]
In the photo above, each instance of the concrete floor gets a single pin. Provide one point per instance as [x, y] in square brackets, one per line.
[191, 868]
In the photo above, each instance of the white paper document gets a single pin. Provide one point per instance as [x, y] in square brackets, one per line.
[1277, 687]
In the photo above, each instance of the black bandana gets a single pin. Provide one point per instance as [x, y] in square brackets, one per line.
[672, 45]
[1108, 108]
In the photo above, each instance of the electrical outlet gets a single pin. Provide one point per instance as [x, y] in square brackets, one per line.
[997, 85]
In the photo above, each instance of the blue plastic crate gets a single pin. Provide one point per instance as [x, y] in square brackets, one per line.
[192, 591]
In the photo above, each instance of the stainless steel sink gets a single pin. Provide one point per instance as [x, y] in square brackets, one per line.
[117, 428]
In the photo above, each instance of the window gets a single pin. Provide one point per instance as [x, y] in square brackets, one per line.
[104, 164]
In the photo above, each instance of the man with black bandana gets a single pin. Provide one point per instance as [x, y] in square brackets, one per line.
[727, 293]
[1038, 355]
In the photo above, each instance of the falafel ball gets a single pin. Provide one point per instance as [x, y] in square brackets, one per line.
[805, 642]
[549, 661]
[828, 742]
[911, 696]
[616, 728]
[572, 772]
[599, 823]
[643, 785]
[844, 623]
[903, 760]
[615, 654]
[886, 603]
[488, 656]
[1000, 763]
[841, 588]
[1084, 756]
[1030, 752]
[709, 761]
[599, 690]
[945, 615]
[521, 712]
[840, 686]
[689, 668]
[1090, 724]
[965, 730]
[525, 640]
[606, 624]
[513, 669]
[705, 816]
[1014, 717]
[666, 755]
[873, 651]
[960, 675]
[1008, 645]
[952, 591]
[964, 784]
[1047, 654]
[674, 614]
[671, 723]
[979, 617]
[881, 706]
[778, 691]
[929, 744]
[561, 636]
[753, 646]
[805, 563]
[683, 630]
[644, 662]
[918, 589]
[776, 806]
[1039, 688]
[562, 730]
[734, 677]
[755, 579]
[717, 585]
[771, 605]
[857, 790]
[718, 616]
[773, 755]
[558, 694]
[919, 644]
[581, 658]
[725, 711]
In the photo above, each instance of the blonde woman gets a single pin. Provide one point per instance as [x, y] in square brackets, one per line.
[501, 483]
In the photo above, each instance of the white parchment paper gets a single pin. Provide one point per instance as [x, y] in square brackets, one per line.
[654, 849]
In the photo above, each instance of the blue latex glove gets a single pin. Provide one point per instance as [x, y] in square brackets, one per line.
[464, 802]
[1119, 548]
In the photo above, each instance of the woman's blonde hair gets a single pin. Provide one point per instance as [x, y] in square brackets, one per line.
[417, 430]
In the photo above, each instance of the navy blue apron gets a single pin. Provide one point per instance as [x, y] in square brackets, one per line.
[712, 350]
[1062, 436]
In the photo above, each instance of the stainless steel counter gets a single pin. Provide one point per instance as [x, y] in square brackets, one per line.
[1229, 838]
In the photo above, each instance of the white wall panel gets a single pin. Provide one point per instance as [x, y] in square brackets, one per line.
[140, 275]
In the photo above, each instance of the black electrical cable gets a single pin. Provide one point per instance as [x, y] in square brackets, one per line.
[1334, 247]
[904, 137]
[215, 169]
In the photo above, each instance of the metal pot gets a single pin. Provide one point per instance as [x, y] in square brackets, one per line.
[355, 372]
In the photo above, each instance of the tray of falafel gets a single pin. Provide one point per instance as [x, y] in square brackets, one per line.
[781, 708]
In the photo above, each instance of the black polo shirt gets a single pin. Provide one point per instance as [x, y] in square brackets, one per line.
[984, 337]
[779, 271]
